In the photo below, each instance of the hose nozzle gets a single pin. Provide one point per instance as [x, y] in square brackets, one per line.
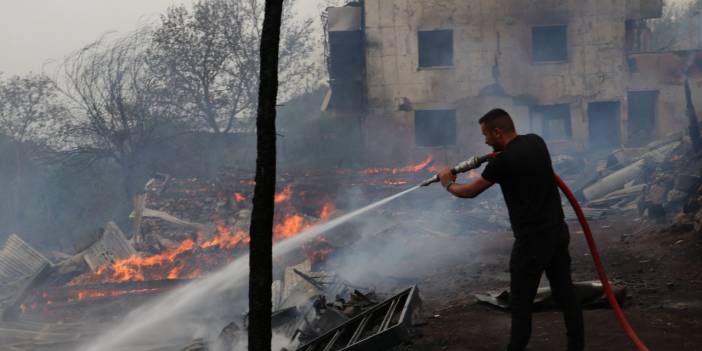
[464, 166]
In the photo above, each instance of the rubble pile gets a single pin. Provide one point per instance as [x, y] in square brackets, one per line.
[656, 181]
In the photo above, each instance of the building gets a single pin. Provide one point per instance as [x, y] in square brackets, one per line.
[417, 74]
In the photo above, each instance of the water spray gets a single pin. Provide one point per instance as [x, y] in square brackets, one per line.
[465, 166]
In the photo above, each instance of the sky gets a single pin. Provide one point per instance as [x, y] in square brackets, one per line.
[34, 32]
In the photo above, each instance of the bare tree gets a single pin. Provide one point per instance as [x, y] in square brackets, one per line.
[261, 249]
[119, 106]
[209, 58]
[30, 108]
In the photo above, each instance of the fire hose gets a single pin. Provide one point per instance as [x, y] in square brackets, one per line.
[475, 162]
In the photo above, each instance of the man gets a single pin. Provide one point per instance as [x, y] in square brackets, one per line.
[523, 169]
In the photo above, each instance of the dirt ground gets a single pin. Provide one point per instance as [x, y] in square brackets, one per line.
[659, 265]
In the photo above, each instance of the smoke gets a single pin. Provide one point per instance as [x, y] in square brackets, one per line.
[420, 234]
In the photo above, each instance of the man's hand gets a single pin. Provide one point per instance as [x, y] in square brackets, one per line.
[446, 177]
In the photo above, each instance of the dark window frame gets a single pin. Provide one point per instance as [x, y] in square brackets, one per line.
[427, 42]
[540, 115]
[542, 50]
[435, 127]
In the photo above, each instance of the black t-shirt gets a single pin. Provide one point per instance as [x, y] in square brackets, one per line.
[526, 178]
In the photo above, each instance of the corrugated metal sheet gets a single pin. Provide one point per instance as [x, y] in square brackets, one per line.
[18, 259]
[113, 245]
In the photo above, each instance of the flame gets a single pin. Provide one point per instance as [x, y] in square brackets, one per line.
[132, 268]
[284, 195]
[327, 209]
[407, 169]
[190, 258]
[23, 308]
[175, 272]
[290, 226]
[239, 197]
[224, 238]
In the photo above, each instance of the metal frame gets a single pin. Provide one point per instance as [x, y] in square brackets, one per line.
[380, 327]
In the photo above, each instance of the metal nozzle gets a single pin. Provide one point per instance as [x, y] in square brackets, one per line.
[433, 179]
[465, 166]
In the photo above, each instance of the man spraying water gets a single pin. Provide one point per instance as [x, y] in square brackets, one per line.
[523, 170]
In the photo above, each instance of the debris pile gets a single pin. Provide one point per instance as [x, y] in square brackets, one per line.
[656, 181]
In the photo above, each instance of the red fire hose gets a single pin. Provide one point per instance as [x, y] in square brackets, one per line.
[600, 269]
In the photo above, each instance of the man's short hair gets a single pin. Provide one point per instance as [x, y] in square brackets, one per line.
[497, 118]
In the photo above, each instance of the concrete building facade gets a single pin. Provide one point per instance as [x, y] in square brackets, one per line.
[575, 72]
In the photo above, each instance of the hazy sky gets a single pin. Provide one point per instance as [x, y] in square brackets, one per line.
[34, 31]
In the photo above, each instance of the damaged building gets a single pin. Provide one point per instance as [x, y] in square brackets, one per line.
[580, 74]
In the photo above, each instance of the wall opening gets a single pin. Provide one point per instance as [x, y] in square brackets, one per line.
[347, 70]
[603, 124]
[549, 43]
[552, 122]
[435, 48]
[641, 121]
[435, 127]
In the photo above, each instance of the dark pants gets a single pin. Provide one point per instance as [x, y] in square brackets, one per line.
[532, 255]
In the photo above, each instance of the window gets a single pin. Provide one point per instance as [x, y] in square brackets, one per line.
[435, 48]
[603, 124]
[641, 125]
[552, 122]
[549, 43]
[435, 127]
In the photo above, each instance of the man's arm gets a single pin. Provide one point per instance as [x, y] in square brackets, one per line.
[469, 190]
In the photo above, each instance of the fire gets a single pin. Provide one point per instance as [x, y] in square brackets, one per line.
[327, 209]
[407, 169]
[284, 195]
[239, 197]
[290, 226]
[191, 258]
[175, 272]
[132, 268]
[224, 239]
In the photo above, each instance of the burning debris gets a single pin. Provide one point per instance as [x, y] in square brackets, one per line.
[184, 228]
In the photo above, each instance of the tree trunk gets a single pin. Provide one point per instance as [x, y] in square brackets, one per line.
[694, 127]
[261, 247]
